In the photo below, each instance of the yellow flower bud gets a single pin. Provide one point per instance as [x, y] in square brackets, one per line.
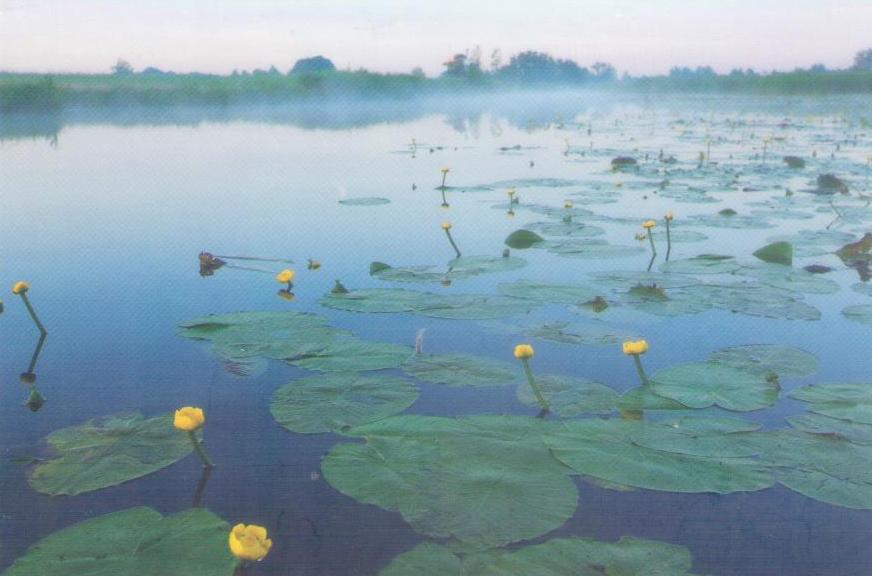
[189, 419]
[510, 192]
[634, 348]
[285, 276]
[20, 287]
[668, 216]
[249, 542]
[567, 204]
[648, 224]
[446, 226]
[445, 170]
[523, 351]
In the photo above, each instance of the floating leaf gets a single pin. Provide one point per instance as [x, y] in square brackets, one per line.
[457, 269]
[824, 467]
[107, 452]
[776, 253]
[556, 557]
[851, 402]
[485, 480]
[645, 398]
[569, 397]
[133, 542]
[702, 264]
[861, 313]
[553, 293]
[820, 424]
[707, 384]
[522, 239]
[609, 449]
[763, 360]
[365, 201]
[349, 354]
[454, 306]
[334, 402]
[460, 370]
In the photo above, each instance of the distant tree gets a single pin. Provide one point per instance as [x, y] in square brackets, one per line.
[122, 67]
[818, 68]
[604, 71]
[418, 72]
[313, 64]
[273, 71]
[863, 60]
[496, 60]
[152, 71]
[538, 67]
[464, 66]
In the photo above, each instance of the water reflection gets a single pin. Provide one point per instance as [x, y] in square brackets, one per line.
[35, 399]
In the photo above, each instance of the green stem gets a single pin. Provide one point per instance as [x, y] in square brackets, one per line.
[444, 200]
[444, 175]
[641, 371]
[651, 240]
[536, 391]
[453, 245]
[198, 448]
[668, 241]
[33, 313]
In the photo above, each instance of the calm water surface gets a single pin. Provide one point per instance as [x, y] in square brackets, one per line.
[106, 222]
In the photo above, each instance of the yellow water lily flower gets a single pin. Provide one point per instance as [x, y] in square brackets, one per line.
[285, 276]
[445, 170]
[20, 287]
[189, 419]
[567, 204]
[510, 192]
[249, 542]
[668, 216]
[635, 348]
[523, 351]
[446, 225]
[648, 224]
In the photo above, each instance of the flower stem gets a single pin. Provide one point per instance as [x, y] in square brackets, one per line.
[536, 391]
[198, 448]
[641, 371]
[32, 313]
[453, 245]
[668, 241]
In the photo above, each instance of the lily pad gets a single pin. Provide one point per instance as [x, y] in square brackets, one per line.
[522, 239]
[548, 293]
[460, 370]
[850, 402]
[107, 452]
[556, 557]
[820, 424]
[763, 360]
[828, 468]
[457, 269]
[861, 313]
[484, 481]
[776, 253]
[569, 397]
[707, 384]
[609, 449]
[334, 402]
[365, 201]
[350, 354]
[453, 306]
[133, 542]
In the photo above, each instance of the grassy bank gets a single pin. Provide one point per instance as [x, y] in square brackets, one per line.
[41, 93]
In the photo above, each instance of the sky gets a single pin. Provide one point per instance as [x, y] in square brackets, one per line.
[636, 36]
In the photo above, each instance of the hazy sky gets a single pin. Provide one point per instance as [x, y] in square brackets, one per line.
[639, 36]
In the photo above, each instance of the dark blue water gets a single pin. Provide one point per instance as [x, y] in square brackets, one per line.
[105, 221]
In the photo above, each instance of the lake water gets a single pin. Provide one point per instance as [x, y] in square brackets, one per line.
[105, 219]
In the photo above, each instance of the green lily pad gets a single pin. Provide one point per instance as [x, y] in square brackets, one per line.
[484, 481]
[350, 354]
[828, 468]
[645, 398]
[334, 402]
[820, 424]
[814, 242]
[547, 293]
[133, 542]
[707, 384]
[792, 279]
[569, 397]
[453, 306]
[776, 253]
[566, 229]
[107, 452]
[861, 313]
[609, 449]
[763, 360]
[556, 557]
[851, 402]
[710, 437]
[457, 269]
[460, 370]
[593, 334]
[594, 249]
[702, 264]
[365, 201]
[523, 239]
